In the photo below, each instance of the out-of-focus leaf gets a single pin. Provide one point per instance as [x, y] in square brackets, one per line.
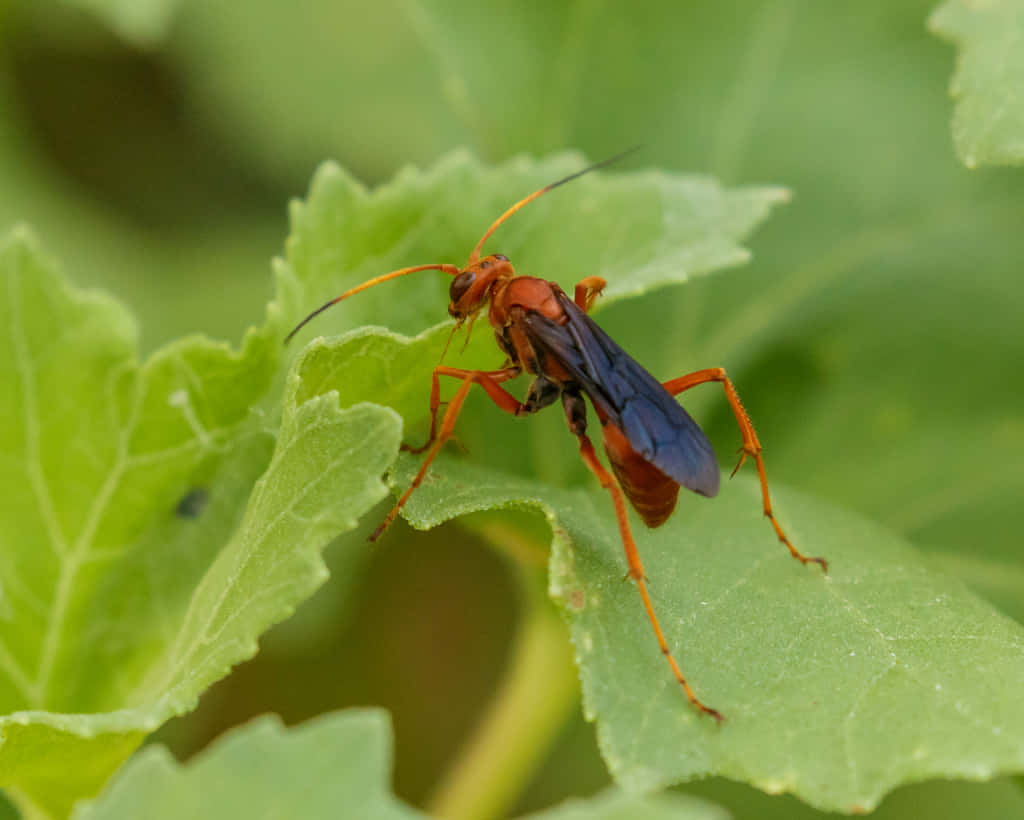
[936, 799]
[141, 22]
[988, 126]
[166, 279]
[334, 767]
[616, 805]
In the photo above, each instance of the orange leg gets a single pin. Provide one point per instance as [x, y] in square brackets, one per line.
[751, 446]
[587, 292]
[489, 381]
[636, 569]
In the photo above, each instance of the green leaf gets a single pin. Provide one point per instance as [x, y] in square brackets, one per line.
[616, 805]
[1001, 580]
[336, 766]
[836, 689]
[934, 799]
[988, 125]
[118, 610]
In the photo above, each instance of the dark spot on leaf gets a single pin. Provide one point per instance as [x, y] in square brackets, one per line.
[192, 503]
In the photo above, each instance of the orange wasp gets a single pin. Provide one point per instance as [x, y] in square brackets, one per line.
[653, 445]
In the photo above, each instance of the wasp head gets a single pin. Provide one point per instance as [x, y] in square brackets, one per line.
[472, 286]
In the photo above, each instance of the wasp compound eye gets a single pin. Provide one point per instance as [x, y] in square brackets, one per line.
[461, 284]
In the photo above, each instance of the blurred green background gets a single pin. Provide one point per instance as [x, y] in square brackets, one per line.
[875, 336]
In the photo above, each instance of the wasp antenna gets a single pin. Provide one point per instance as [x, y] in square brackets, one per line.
[450, 269]
[475, 255]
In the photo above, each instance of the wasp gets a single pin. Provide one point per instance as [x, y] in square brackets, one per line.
[653, 445]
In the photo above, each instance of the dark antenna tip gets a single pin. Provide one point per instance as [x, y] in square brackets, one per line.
[597, 165]
[307, 320]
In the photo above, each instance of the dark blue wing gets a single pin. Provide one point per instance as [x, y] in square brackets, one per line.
[655, 425]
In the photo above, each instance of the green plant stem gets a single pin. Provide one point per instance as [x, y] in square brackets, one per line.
[531, 706]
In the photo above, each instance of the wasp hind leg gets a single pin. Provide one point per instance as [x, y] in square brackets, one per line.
[575, 413]
[751, 447]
